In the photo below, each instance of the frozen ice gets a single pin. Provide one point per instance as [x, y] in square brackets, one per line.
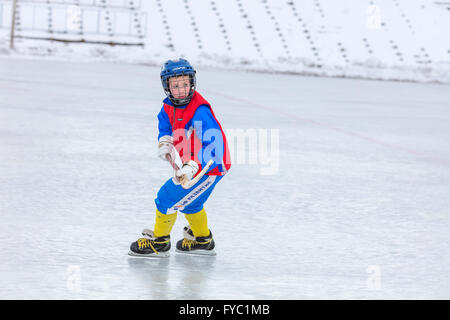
[357, 209]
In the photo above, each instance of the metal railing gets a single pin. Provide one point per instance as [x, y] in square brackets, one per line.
[95, 21]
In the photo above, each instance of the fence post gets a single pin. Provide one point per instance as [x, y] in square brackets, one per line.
[13, 24]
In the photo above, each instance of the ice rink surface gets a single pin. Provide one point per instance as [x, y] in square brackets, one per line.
[357, 207]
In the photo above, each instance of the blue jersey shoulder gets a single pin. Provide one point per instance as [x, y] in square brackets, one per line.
[164, 125]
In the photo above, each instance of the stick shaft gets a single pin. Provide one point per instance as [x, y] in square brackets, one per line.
[176, 163]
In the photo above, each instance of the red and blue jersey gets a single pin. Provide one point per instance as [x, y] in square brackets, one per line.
[196, 133]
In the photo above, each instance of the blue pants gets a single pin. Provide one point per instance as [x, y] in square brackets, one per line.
[173, 198]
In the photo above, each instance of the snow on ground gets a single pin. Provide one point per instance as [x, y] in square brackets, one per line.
[356, 207]
[383, 39]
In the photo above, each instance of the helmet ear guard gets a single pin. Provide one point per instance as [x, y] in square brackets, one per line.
[176, 68]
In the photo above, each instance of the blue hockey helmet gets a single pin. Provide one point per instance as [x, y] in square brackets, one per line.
[176, 68]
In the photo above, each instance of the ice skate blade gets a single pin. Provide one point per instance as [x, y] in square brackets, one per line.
[149, 255]
[198, 252]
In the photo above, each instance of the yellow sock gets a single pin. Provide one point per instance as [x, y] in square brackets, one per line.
[198, 223]
[164, 223]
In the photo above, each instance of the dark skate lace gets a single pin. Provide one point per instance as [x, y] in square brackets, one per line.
[189, 243]
[144, 243]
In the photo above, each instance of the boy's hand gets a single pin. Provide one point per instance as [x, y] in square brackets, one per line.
[165, 147]
[187, 172]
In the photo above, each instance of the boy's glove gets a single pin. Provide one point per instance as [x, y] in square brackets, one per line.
[187, 172]
[165, 147]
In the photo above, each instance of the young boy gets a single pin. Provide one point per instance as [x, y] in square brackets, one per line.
[188, 128]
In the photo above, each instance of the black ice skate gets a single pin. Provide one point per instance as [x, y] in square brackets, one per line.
[149, 246]
[196, 245]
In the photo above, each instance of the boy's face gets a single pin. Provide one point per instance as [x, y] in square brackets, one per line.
[179, 86]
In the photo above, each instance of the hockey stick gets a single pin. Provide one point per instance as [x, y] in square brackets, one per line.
[176, 163]
[174, 159]
[188, 184]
